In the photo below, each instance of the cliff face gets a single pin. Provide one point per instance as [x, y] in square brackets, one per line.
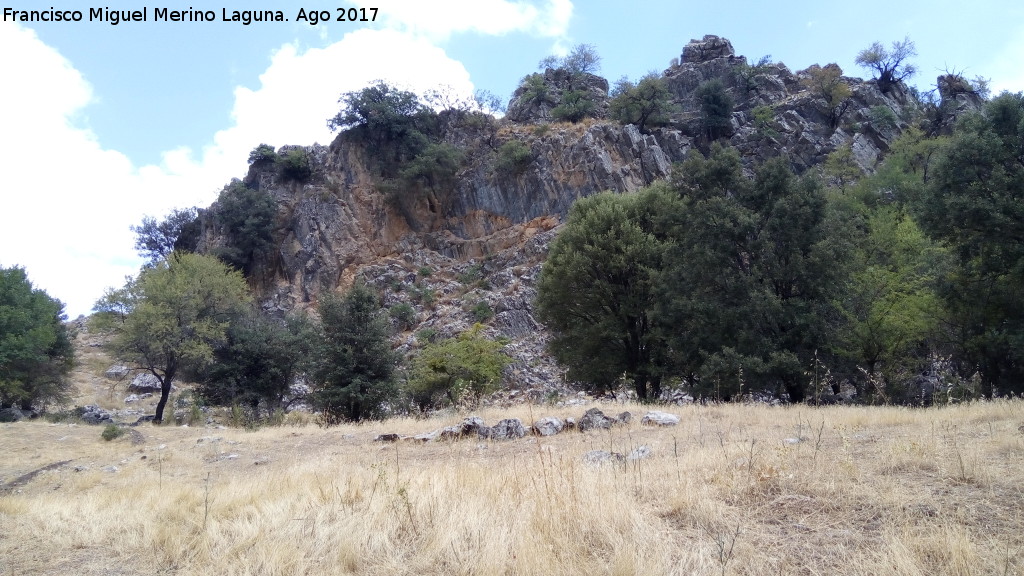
[480, 240]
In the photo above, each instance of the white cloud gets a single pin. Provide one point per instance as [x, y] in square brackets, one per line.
[438, 20]
[67, 203]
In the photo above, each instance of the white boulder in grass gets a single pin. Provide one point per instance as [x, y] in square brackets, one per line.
[655, 418]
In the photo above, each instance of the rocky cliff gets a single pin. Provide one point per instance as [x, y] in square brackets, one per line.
[463, 252]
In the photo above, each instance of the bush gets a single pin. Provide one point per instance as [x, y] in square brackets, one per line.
[404, 314]
[112, 432]
[448, 371]
[482, 311]
[575, 106]
[716, 106]
[514, 157]
[294, 165]
[264, 154]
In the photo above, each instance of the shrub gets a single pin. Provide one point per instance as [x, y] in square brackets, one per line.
[404, 314]
[264, 154]
[294, 165]
[482, 311]
[575, 106]
[514, 157]
[447, 371]
[112, 432]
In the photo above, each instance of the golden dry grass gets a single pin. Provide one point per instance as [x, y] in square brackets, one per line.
[866, 491]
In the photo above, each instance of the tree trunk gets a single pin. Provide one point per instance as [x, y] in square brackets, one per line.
[165, 391]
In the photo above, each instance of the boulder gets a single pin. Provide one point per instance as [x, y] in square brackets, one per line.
[594, 419]
[708, 48]
[655, 418]
[13, 415]
[93, 414]
[548, 426]
[639, 453]
[117, 372]
[390, 437]
[144, 382]
[596, 457]
[624, 418]
[507, 429]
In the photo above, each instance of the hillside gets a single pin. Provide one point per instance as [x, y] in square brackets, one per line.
[468, 245]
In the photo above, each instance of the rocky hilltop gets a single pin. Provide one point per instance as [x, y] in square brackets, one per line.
[471, 250]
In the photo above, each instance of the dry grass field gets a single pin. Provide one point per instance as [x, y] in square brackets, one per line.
[865, 491]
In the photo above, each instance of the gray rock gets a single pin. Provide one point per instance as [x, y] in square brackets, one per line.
[93, 414]
[13, 415]
[548, 426]
[507, 429]
[390, 437]
[624, 418]
[144, 382]
[596, 457]
[639, 453]
[709, 48]
[655, 418]
[131, 398]
[117, 372]
[594, 419]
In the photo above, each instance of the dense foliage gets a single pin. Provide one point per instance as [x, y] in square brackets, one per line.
[245, 216]
[446, 372]
[179, 230]
[36, 353]
[173, 316]
[647, 104]
[354, 373]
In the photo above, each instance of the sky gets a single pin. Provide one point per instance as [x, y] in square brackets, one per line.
[102, 124]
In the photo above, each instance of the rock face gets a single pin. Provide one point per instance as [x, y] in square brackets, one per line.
[484, 235]
[709, 48]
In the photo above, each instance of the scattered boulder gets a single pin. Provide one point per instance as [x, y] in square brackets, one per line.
[390, 437]
[117, 372]
[655, 418]
[144, 419]
[143, 383]
[507, 429]
[131, 398]
[93, 414]
[548, 426]
[624, 418]
[595, 419]
[597, 457]
[14, 415]
[639, 453]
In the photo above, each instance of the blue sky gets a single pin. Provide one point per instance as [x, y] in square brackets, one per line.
[101, 125]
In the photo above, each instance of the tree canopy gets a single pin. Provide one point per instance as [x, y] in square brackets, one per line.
[36, 352]
[648, 103]
[354, 375]
[173, 316]
[597, 291]
[888, 64]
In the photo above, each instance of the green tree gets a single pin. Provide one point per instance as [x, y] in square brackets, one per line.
[597, 290]
[179, 230]
[574, 106]
[263, 155]
[716, 109]
[258, 361]
[394, 123]
[888, 64]
[446, 371]
[974, 203]
[354, 377]
[246, 218]
[173, 316]
[751, 276]
[294, 165]
[646, 104]
[513, 158]
[827, 85]
[36, 352]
